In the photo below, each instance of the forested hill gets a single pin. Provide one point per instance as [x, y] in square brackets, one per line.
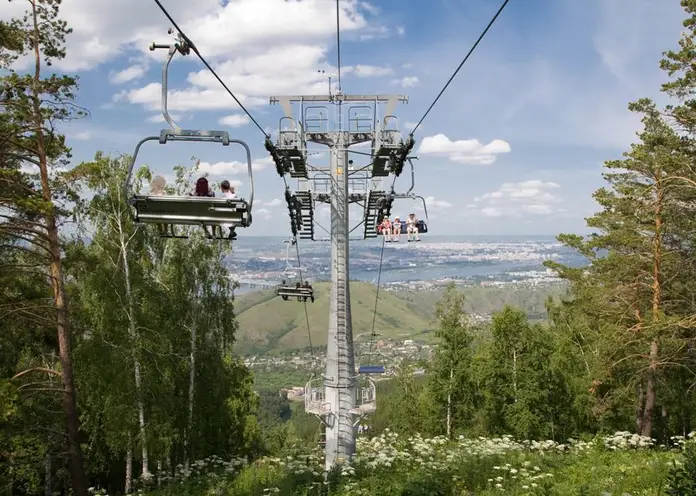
[270, 324]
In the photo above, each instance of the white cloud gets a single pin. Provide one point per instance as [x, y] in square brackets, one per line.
[408, 65]
[234, 120]
[407, 81]
[531, 197]
[434, 204]
[233, 168]
[264, 213]
[82, 136]
[275, 202]
[372, 71]
[160, 118]
[128, 74]
[253, 79]
[463, 151]
[105, 30]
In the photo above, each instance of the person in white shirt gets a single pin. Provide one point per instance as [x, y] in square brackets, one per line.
[228, 192]
[396, 229]
[157, 188]
[412, 228]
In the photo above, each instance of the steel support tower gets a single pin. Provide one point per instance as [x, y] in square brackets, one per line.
[340, 402]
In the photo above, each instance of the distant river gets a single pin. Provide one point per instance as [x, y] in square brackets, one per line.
[258, 259]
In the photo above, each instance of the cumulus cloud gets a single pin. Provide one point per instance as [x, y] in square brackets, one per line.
[371, 71]
[128, 74]
[463, 151]
[160, 118]
[233, 168]
[435, 204]
[275, 202]
[234, 120]
[104, 30]
[531, 197]
[406, 82]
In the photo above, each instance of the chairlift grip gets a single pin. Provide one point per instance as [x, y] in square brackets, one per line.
[165, 87]
[251, 174]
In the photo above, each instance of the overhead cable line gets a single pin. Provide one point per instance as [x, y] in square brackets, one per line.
[338, 41]
[500, 10]
[374, 313]
[309, 330]
[205, 62]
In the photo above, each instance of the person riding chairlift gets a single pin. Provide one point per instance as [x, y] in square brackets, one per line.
[306, 285]
[203, 189]
[386, 229]
[157, 188]
[396, 229]
[412, 228]
[228, 192]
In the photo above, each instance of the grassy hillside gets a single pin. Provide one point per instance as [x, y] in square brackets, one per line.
[486, 300]
[269, 324]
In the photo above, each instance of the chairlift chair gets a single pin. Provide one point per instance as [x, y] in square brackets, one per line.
[373, 368]
[302, 293]
[169, 210]
[421, 225]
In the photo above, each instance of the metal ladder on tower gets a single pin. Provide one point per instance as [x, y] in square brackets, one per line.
[306, 230]
[378, 205]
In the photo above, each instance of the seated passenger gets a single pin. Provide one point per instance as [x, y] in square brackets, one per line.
[396, 229]
[386, 229]
[412, 228]
[306, 285]
[282, 285]
[202, 189]
[228, 192]
[298, 286]
[157, 186]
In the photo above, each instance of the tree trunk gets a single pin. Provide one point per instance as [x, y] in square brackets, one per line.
[129, 466]
[48, 475]
[191, 392]
[449, 405]
[514, 373]
[72, 419]
[640, 407]
[133, 331]
[650, 395]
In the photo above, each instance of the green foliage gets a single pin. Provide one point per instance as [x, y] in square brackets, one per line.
[681, 480]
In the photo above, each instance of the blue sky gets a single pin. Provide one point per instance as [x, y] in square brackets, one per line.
[548, 86]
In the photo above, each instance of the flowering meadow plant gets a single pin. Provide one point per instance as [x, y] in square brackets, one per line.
[618, 464]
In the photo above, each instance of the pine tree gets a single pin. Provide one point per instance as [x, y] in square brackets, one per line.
[33, 105]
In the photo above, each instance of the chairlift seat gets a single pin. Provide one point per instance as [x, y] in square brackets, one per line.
[191, 210]
[421, 225]
[294, 291]
[371, 369]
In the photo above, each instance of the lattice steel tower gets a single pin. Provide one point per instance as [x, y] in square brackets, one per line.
[340, 402]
